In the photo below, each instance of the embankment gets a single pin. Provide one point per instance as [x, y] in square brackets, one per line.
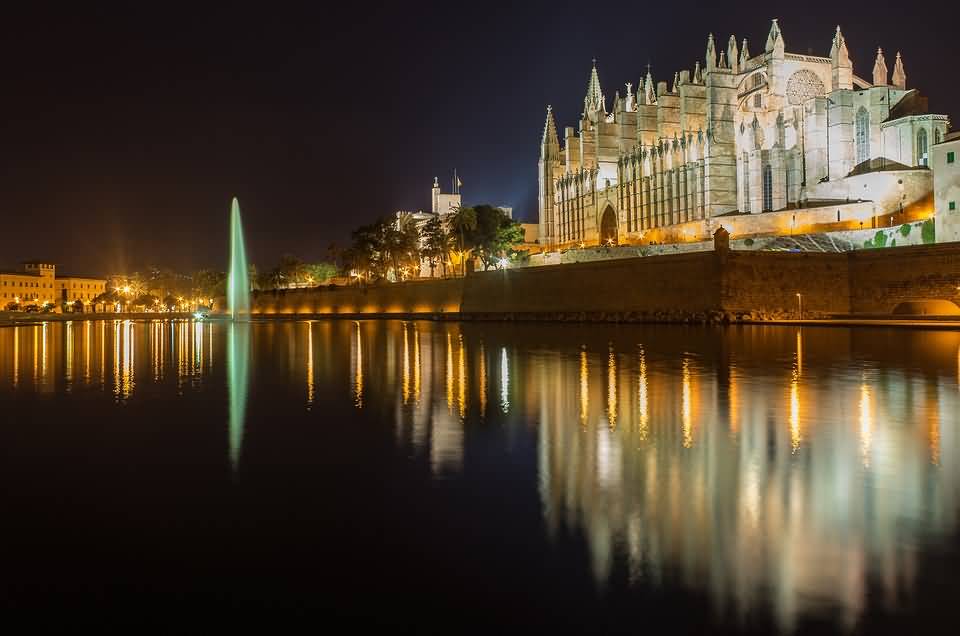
[710, 286]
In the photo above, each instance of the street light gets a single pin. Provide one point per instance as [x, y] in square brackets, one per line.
[800, 304]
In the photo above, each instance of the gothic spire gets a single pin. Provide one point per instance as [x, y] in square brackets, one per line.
[838, 51]
[744, 55]
[676, 83]
[550, 130]
[733, 56]
[899, 74]
[697, 74]
[775, 38]
[842, 67]
[594, 101]
[649, 92]
[711, 54]
[723, 60]
[880, 69]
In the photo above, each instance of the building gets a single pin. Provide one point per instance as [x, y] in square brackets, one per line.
[800, 137]
[945, 163]
[37, 284]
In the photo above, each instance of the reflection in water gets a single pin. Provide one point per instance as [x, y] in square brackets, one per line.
[356, 361]
[504, 381]
[642, 393]
[310, 386]
[767, 468]
[238, 371]
[612, 389]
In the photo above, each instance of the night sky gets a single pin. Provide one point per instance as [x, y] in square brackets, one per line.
[126, 130]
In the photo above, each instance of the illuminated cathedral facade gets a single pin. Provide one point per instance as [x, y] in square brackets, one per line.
[738, 136]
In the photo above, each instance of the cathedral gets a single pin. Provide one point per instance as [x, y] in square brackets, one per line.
[757, 143]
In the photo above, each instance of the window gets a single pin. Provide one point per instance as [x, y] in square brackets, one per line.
[863, 135]
[952, 206]
[922, 147]
[936, 136]
[756, 80]
[767, 187]
[950, 157]
[758, 101]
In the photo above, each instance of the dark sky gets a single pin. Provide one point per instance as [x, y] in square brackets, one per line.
[127, 129]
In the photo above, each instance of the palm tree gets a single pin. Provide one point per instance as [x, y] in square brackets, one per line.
[462, 220]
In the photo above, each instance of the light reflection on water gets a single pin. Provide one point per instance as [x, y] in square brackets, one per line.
[766, 466]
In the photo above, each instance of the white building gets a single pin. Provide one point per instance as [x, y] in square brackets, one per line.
[945, 163]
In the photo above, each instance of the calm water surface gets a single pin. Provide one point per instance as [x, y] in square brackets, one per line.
[181, 476]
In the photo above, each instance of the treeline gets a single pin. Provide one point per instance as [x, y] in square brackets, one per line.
[393, 247]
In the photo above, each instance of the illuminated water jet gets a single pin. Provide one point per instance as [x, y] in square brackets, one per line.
[238, 283]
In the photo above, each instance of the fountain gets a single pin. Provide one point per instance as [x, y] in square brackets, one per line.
[238, 376]
[238, 336]
[238, 283]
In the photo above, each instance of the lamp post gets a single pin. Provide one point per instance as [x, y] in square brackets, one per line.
[800, 304]
[900, 188]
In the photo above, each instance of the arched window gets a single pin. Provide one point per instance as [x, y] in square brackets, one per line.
[936, 136]
[863, 135]
[767, 187]
[922, 147]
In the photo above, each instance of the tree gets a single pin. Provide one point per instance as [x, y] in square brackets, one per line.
[436, 243]
[208, 283]
[462, 220]
[318, 273]
[494, 235]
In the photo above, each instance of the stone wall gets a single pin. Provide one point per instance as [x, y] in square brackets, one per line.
[769, 282]
[700, 286]
[415, 297]
[881, 279]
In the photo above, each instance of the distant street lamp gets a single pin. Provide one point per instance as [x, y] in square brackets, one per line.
[800, 305]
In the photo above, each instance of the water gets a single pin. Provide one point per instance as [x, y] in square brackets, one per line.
[238, 274]
[456, 477]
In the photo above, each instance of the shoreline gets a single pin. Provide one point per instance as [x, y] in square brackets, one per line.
[942, 323]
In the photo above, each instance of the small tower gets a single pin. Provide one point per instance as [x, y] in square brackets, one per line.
[594, 103]
[733, 56]
[548, 168]
[840, 63]
[649, 92]
[744, 55]
[697, 74]
[899, 74]
[880, 69]
[711, 57]
[775, 43]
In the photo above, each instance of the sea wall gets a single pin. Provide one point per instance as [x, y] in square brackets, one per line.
[881, 279]
[700, 286]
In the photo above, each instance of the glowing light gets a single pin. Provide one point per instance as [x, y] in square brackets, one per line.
[238, 358]
[794, 414]
[449, 373]
[483, 381]
[16, 356]
[642, 394]
[405, 366]
[504, 381]
[686, 413]
[866, 424]
[238, 283]
[612, 389]
[504, 262]
[462, 379]
[358, 369]
[416, 364]
[310, 385]
[584, 387]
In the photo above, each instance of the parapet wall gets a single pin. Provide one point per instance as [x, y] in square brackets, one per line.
[694, 286]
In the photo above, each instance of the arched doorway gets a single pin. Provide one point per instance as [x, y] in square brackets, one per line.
[608, 227]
